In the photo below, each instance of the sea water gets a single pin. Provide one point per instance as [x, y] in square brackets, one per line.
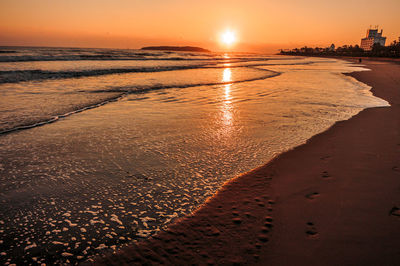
[100, 148]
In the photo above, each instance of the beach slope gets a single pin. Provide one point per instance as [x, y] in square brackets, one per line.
[332, 201]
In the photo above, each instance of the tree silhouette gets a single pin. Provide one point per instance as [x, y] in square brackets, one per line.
[392, 50]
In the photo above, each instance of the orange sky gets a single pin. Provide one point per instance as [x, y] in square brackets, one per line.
[260, 25]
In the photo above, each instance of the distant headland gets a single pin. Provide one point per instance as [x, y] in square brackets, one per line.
[176, 48]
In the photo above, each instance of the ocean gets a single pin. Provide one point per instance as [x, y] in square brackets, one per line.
[100, 148]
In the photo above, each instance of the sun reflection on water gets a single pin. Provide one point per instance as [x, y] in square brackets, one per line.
[227, 75]
[227, 107]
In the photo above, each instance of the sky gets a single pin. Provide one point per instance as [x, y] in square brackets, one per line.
[259, 25]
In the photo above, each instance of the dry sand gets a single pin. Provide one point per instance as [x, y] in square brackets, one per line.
[332, 201]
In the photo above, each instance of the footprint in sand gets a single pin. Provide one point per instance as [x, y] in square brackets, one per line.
[265, 230]
[263, 238]
[312, 195]
[268, 219]
[237, 220]
[395, 211]
[396, 168]
[325, 158]
[325, 174]
[311, 231]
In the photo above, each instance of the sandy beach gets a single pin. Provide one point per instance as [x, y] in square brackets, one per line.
[332, 201]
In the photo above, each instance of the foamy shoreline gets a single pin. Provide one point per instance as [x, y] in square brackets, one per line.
[236, 224]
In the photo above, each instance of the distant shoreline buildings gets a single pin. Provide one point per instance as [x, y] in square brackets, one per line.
[373, 45]
[372, 37]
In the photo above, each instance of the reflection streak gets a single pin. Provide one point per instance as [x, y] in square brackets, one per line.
[227, 107]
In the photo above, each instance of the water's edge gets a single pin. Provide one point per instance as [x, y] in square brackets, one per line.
[223, 187]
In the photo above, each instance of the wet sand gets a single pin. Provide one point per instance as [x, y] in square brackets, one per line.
[332, 201]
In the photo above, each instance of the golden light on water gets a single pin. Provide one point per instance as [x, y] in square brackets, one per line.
[227, 75]
[227, 108]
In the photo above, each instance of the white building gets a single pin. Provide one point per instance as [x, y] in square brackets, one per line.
[373, 36]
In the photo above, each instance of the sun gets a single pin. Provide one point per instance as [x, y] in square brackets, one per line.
[228, 38]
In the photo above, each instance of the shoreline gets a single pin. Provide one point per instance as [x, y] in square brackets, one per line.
[353, 59]
[322, 202]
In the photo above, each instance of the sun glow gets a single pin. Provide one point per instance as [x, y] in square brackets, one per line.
[228, 38]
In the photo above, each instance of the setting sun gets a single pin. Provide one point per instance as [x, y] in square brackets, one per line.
[228, 38]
